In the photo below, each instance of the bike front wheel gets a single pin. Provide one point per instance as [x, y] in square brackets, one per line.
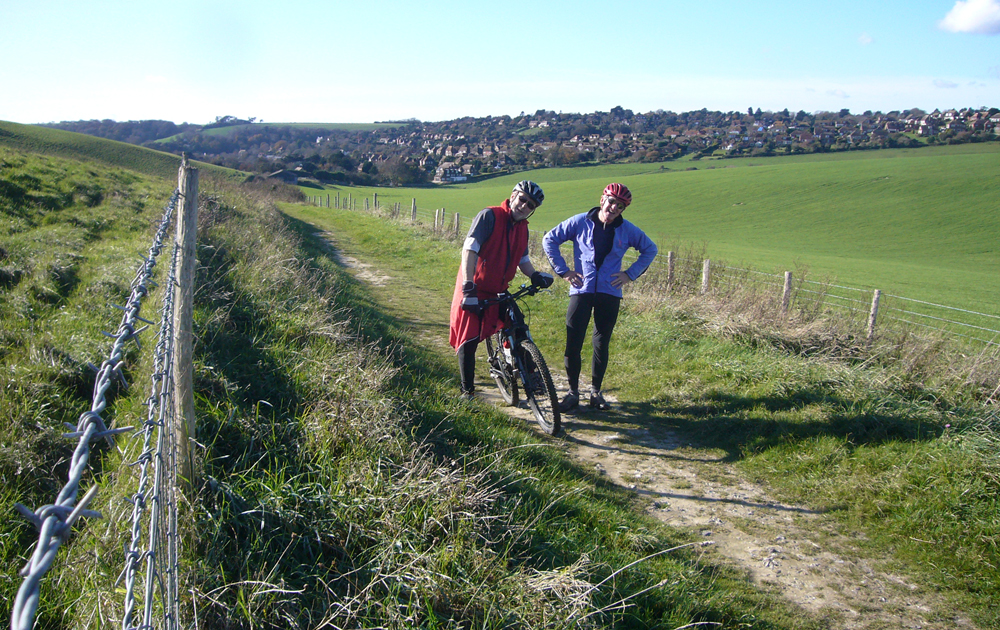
[501, 370]
[538, 388]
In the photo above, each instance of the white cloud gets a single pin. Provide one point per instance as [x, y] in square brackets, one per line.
[941, 83]
[973, 16]
[865, 39]
[838, 93]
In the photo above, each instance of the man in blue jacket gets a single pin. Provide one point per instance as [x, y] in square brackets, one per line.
[600, 239]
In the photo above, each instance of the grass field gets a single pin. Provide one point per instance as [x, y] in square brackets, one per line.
[80, 146]
[920, 223]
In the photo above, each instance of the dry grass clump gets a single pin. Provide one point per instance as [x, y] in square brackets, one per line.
[740, 305]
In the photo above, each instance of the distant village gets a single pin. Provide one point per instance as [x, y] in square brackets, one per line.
[658, 137]
[411, 152]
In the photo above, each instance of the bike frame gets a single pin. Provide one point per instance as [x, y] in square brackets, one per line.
[515, 328]
[515, 359]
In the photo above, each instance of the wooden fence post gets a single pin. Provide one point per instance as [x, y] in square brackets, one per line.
[706, 274]
[873, 315]
[183, 337]
[671, 262]
[413, 210]
[458, 223]
[786, 294]
[374, 201]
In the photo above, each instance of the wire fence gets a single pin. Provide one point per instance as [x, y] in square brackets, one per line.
[55, 522]
[888, 310]
[159, 552]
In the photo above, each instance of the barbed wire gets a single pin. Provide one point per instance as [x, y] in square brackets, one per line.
[166, 520]
[158, 423]
[55, 521]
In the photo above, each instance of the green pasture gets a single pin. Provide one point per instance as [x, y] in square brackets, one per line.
[918, 223]
[79, 146]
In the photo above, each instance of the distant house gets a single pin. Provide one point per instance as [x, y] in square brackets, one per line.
[448, 172]
[928, 126]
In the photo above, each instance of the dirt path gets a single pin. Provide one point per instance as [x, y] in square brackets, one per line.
[791, 550]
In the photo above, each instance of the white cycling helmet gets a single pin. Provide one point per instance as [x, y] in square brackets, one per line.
[532, 190]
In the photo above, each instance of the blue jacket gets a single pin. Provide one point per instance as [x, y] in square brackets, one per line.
[580, 230]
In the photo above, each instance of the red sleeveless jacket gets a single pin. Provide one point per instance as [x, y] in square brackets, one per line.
[501, 253]
[496, 266]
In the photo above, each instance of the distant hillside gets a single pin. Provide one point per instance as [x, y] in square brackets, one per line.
[138, 132]
[413, 152]
[60, 143]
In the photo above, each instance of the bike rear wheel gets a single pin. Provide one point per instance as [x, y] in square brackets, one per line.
[539, 389]
[501, 370]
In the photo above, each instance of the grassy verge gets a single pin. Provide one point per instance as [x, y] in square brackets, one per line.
[73, 235]
[901, 456]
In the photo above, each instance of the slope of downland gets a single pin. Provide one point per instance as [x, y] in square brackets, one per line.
[67, 144]
[342, 484]
[912, 222]
[867, 530]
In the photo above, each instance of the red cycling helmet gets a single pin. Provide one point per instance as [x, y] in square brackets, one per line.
[619, 192]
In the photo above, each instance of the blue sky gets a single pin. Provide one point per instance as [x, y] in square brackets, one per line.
[361, 61]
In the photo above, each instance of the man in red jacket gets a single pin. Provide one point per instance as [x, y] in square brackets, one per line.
[495, 248]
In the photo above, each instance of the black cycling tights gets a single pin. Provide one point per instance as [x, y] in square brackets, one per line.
[467, 364]
[605, 310]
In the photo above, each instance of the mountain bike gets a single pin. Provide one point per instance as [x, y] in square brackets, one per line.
[515, 362]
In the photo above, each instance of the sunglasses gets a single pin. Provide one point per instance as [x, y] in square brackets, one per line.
[615, 203]
[526, 201]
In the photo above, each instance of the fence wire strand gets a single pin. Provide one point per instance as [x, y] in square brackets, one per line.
[159, 555]
[55, 522]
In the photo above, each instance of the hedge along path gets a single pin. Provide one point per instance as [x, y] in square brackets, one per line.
[789, 550]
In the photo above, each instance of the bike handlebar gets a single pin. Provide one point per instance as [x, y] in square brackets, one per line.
[526, 289]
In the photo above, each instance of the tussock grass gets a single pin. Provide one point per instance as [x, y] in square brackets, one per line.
[749, 310]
